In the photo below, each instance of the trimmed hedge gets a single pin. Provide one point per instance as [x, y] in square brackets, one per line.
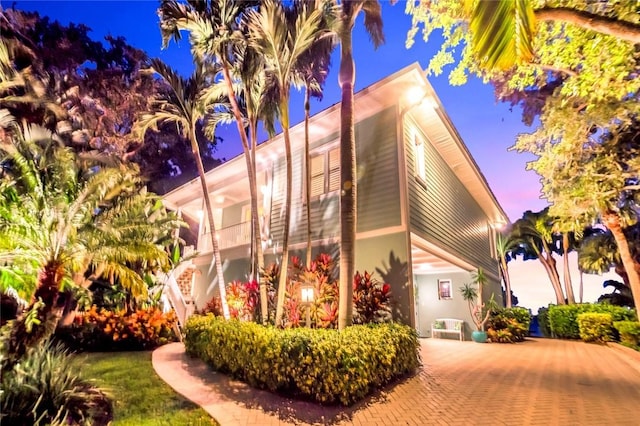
[595, 327]
[629, 333]
[508, 325]
[326, 366]
[563, 319]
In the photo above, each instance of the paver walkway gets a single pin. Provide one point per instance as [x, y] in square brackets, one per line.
[540, 381]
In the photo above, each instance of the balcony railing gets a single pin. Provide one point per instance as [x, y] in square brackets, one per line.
[231, 236]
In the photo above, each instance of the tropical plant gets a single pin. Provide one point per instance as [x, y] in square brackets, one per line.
[282, 36]
[182, 106]
[350, 9]
[218, 33]
[508, 325]
[479, 314]
[47, 389]
[535, 238]
[66, 220]
[371, 300]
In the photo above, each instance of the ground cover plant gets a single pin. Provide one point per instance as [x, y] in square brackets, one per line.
[326, 366]
[140, 397]
[508, 325]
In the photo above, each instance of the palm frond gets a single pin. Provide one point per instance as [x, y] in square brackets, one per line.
[502, 32]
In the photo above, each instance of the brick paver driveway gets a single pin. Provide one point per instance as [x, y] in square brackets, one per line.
[540, 381]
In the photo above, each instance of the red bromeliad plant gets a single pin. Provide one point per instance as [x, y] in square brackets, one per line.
[371, 299]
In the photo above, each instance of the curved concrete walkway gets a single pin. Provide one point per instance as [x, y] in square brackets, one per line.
[540, 381]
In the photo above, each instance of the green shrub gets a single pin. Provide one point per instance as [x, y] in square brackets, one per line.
[543, 321]
[595, 327]
[564, 323]
[324, 365]
[629, 333]
[105, 330]
[508, 325]
[44, 388]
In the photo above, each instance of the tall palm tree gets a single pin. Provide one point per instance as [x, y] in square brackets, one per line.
[216, 35]
[313, 69]
[282, 36]
[504, 246]
[63, 217]
[182, 105]
[534, 234]
[350, 9]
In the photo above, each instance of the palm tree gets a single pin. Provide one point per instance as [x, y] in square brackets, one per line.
[534, 235]
[63, 217]
[282, 36]
[313, 70]
[181, 104]
[216, 36]
[504, 245]
[348, 184]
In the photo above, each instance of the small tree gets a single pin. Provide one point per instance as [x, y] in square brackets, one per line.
[474, 299]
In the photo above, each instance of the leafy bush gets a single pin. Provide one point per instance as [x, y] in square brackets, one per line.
[371, 300]
[543, 321]
[327, 366]
[508, 325]
[105, 330]
[595, 327]
[564, 323]
[44, 388]
[629, 333]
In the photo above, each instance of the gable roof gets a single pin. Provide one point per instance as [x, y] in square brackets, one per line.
[390, 91]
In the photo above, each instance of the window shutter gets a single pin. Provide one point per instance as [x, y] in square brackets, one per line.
[334, 169]
[317, 175]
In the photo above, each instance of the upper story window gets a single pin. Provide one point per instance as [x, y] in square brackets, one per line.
[325, 172]
[419, 154]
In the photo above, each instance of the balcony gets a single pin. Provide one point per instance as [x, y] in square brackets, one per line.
[231, 236]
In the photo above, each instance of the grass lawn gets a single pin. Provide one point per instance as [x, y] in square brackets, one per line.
[140, 397]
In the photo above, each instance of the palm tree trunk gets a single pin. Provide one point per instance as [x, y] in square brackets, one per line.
[32, 328]
[507, 281]
[612, 221]
[256, 231]
[307, 169]
[284, 266]
[549, 264]
[568, 286]
[581, 285]
[212, 226]
[257, 262]
[348, 193]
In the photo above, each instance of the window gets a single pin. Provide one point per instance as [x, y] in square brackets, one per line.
[325, 172]
[418, 149]
[444, 290]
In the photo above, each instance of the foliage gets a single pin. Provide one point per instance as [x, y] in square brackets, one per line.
[595, 327]
[143, 399]
[327, 366]
[543, 321]
[45, 388]
[620, 296]
[629, 333]
[95, 88]
[508, 325]
[564, 323]
[479, 313]
[68, 219]
[371, 300]
[104, 330]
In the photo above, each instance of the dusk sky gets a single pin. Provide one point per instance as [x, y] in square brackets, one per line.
[487, 127]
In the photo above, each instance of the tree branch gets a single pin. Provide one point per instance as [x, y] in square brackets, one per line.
[556, 69]
[614, 27]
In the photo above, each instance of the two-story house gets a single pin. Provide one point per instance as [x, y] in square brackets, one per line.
[426, 215]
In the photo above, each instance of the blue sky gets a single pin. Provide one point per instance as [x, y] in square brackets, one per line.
[487, 127]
